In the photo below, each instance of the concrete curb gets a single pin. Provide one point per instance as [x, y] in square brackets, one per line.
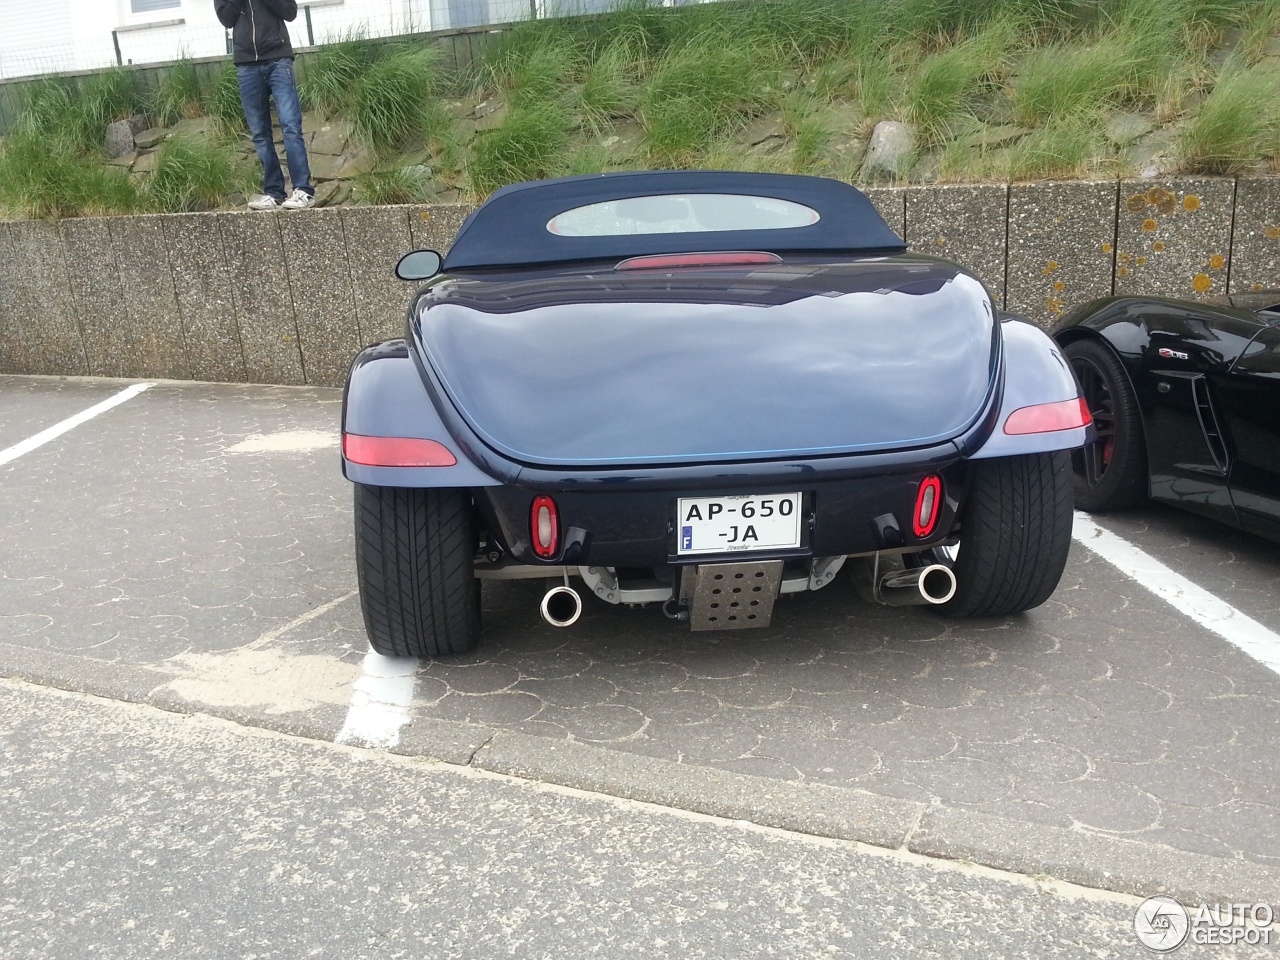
[1089, 859]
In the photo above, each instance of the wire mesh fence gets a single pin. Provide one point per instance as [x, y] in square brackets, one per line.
[76, 35]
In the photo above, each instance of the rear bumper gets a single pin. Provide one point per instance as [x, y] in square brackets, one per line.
[638, 527]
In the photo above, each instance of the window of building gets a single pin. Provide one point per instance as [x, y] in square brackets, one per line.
[146, 6]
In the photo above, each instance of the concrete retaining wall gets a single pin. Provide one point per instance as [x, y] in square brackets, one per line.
[291, 297]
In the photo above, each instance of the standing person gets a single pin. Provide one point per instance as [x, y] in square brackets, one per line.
[264, 67]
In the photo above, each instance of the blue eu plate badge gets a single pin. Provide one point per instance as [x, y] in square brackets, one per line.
[686, 538]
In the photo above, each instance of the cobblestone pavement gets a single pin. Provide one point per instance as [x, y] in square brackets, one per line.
[164, 534]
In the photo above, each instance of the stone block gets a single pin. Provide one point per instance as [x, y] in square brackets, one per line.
[965, 224]
[47, 337]
[156, 342]
[202, 281]
[146, 162]
[891, 202]
[377, 237]
[264, 304]
[1255, 241]
[118, 139]
[150, 139]
[892, 146]
[1061, 246]
[324, 302]
[331, 138]
[1173, 237]
[434, 226]
[99, 298]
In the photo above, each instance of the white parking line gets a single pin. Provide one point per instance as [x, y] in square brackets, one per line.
[380, 703]
[1180, 593]
[58, 429]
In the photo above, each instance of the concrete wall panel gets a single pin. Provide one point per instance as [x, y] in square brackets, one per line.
[1061, 246]
[963, 223]
[202, 282]
[1173, 238]
[99, 297]
[891, 202]
[49, 338]
[1255, 242]
[12, 319]
[264, 304]
[156, 342]
[434, 227]
[324, 302]
[377, 237]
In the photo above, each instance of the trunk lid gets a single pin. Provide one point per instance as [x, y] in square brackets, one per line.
[785, 361]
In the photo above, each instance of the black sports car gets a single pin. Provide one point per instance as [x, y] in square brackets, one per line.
[702, 390]
[1185, 398]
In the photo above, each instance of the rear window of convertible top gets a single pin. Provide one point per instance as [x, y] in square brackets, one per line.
[681, 213]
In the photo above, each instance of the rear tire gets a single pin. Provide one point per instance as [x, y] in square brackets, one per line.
[1111, 472]
[415, 563]
[1015, 530]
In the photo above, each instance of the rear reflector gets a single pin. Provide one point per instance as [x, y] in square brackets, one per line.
[396, 451]
[928, 506]
[1049, 417]
[697, 260]
[544, 527]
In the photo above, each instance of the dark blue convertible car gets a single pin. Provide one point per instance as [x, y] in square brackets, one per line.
[701, 390]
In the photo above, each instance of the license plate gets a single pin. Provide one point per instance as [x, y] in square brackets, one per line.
[738, 524]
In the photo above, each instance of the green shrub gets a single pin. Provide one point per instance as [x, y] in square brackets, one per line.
[327, 77]
[178, 96]
[190, 175]
[705, 89]
[945, 83]
[56, 111]
[528, 146]
[393, 102]
[609, 92]
[48, 179]
[402, 185]
[1237, 124]
[1063, 80]
[1063, 147]
[222, 105]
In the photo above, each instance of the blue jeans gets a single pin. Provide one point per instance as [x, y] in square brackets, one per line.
[260, 83]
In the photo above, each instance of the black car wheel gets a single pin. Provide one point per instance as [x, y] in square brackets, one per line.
[415, 556]
[1015, 530]
[1111, 472]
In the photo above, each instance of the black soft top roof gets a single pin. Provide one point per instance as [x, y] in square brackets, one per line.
[510, 228]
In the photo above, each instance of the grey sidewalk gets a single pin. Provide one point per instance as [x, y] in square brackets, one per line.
[132, 834]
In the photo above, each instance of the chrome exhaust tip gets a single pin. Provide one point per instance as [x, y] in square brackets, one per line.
[561, 606]
[917, 586]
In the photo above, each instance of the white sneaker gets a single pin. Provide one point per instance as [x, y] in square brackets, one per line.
[264, 203]
[299, 200]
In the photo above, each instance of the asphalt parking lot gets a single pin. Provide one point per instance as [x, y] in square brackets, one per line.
[190, 548]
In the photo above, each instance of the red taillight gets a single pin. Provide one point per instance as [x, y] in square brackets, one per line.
[544, 527]
[928, 506]
[396, 451]
[1049, 417]
[697, 260]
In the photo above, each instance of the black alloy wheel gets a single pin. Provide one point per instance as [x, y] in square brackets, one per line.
[1110, 472]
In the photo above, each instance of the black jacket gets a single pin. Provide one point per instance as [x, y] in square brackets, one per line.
[257, 28]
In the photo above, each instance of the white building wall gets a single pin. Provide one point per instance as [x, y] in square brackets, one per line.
[35, 37]
[48, 36]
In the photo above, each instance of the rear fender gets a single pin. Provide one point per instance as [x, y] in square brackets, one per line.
[385, 397]
[1035, 371]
